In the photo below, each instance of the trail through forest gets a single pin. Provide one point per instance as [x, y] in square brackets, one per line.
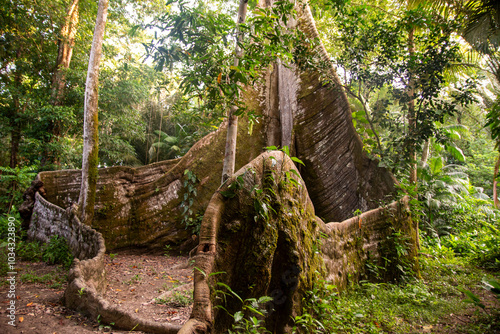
[155, 286]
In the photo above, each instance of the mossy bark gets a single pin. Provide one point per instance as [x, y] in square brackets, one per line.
[142, 206]
[90, 162]
[259, 235]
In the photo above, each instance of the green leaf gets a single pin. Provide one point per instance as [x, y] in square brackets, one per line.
[472, 298]
[201, 271]
[230, 290]
[456, 152]
[436, 165]
[238, 316]
[286, 150]
[297, 160]
[265, 299]
[228, 194]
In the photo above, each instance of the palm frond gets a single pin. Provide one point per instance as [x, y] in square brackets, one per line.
[445, 8]
[456, 152]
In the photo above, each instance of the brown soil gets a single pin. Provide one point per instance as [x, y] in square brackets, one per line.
[134, 281]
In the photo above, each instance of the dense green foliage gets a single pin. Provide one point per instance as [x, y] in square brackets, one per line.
[417, 305]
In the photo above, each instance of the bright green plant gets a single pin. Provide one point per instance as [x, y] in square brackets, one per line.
[167, 249]
[30, 250]
[4, 224]
[103, 327]
[178, 299]
[395, 262]
[54, 279]
[166, 146]
[134, 279]
[57, 251]
[493, 286]
[250, 319]
[13, 182]
[441, 189]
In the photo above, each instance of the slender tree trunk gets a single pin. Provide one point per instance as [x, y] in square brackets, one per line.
[15, 138]
[90, 129]
[64, 54]
[15, 132]
[368, 113]
[495, 193]
[412, 123]
[232, 126]
[159, 132]
[425, 152]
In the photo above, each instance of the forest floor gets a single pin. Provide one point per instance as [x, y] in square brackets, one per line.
[134, 281]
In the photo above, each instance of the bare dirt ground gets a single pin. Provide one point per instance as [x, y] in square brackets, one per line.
[135, 280]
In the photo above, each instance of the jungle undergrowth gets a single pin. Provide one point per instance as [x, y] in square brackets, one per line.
[55, 251]
[406, 307]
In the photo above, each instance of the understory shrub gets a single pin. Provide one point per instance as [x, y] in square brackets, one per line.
[57, 252]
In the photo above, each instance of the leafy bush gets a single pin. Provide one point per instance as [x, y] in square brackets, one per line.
[481, 245]
[57, 252]
[30, 250]
[4, 224]
[13, 182]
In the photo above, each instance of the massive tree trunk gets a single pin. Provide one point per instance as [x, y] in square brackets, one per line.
[339, 176]
[90, 131]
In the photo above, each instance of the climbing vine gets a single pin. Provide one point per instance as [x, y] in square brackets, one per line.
[190, 219]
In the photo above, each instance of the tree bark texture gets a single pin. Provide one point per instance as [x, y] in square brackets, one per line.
[15, 119]
[272, 245]
[339, 176]
[426, 151]
[412, 118]
[495, 183]
[90, 131]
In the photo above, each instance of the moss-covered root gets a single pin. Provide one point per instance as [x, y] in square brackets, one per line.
[257, 238]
